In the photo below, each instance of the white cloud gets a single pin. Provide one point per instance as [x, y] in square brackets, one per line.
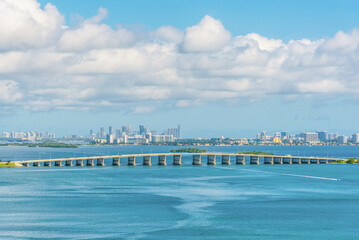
[208, 35]
[23, 24]
[93, 65]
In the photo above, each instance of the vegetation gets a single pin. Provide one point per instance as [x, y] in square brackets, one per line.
[256, 153]
[189, 150]
[44, 144]
[352, 160]
[8, 164]
[340, 161]
[52, 145]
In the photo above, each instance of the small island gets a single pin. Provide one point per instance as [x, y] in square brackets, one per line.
[52, 145]
[189, 150]
[256, 153]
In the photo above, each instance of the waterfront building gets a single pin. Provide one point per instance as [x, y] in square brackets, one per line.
[342, 139]
[332, 136]
[284, 134]
[322, 136]
[310, 137]
[355, 138]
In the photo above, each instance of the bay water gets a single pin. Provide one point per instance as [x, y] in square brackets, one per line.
[179, 202]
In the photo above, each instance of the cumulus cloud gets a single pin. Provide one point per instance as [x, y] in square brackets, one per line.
[23, 24]
[44, 65]
[207, 36]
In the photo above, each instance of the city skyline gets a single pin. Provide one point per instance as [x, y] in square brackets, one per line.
[220, 68]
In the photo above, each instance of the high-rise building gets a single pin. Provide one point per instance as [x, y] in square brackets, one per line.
[142, 130]
[126, 129]
[110, 130]
[179, 131]
[322, 136]
[342, 139]
[355, 138]
[102, 132]
[310, 137]
[284, 134]
[332, 136]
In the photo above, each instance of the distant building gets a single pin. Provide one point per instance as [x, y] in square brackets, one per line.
[310, 137]
[342, 139]
[110, 130]
[355, 138]
[322, 136]
[109, 138]
[332, 136]
[142, 130]
[284, 134]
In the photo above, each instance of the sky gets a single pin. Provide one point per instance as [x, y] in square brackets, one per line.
[218, 68]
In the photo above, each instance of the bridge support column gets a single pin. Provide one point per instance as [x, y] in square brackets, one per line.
[116, 161]
[296, 161]
[323, 161]
[268, 160]
[314, 161]
[162, 160]
[211, 159]
[131, 161]
[240, 159]
[287, 160]
[25, 164]
[79, 163]
[36, 164]
[58, 163]
[90, 162]
[100, 162]
[68, 163]
[47, 164]
[278, 160]
[196, 160]
[254, 160]
[177, 160]
[305, 160]
[226, 159]
[147, 160]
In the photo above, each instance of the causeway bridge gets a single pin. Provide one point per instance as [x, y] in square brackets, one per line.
[176, 159]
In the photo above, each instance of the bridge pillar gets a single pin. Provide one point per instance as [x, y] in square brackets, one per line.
[254, 160]
[305, 160]
[226, 159]
[25, 164]
[147, 160]
[90, 162]
[116, 161]
[268, 160]
[47, 164]
[211, 159]
[58, 163]
[287, 160]
[162, 160]
[323, 161]
[296, 161]
[131, 161]
[240, 159]
[314, 161]
[68, 163]
[177, 160]
[278, 160]
[79, 163]
[100, 162]
[196, 160]
[36, 164]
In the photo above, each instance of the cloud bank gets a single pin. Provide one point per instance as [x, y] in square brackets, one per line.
[45, 65]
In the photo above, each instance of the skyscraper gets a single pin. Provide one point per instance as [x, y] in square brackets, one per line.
[322, 136]
[179, 131]
[110, 130]
[142, 130]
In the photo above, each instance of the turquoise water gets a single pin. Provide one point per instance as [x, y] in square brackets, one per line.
[179, 202]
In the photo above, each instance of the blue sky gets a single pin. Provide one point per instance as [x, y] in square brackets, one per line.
[77, 69]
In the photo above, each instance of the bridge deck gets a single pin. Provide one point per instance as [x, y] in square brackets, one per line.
[171, 154]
